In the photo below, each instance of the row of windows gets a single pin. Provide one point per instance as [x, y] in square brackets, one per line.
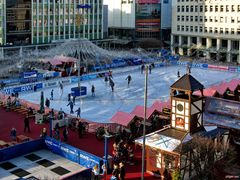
[215, 19]
[62, 33]
[208, 29]
[211, 8]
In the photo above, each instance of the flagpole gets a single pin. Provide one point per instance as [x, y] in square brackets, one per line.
[144, 123]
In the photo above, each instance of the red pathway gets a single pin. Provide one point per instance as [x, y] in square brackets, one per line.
[87, 143]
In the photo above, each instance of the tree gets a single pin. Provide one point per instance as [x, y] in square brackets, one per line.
[176, 175]
[204, 152]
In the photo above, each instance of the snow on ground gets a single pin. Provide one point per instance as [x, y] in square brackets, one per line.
[106, 103]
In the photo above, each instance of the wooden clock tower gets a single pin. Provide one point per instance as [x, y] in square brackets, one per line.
[186, 108]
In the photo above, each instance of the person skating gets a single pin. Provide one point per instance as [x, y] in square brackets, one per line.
[111, 83]
[178, 74]
[71, 106]
[142, 68]
[106, 79]
[150, 69]
[93, 90]
[47, 103]
[26, 124]
[78, 111]
[74, 99]
[51, 95]
[69, 97]
[129, 78]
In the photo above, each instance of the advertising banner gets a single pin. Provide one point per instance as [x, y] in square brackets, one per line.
[83, 158]
[23, 88]
[148, 1]
[225, 68]
[232, 69]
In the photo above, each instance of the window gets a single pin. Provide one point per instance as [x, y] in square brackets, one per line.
[216, 8]
[191, 18]
[196, 18]
[201, 8]
[205, 29]
[196, 8]
[187, 18]
[178, 18]
[216, 19]
[200, 29]
[178, 8]
[187, 8]
[232, 31]
[201, 19]
[205, 19]
[187, 28]
[221, 8]
[226, 31]
[216, 30]
[232, 20]
[238, 7]
[210, 19]
[182, 8]
[182, 28]
[211, 8]
[178, 28]
[191, 8]
[191, 28]
[221, 19]
[233, 8]
[182, 18]
[227, 8]
[196, 28]
[210, 30]
[221, 30]
[206, 9]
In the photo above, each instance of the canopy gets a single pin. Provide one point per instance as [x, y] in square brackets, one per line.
[122, 118]
[58, 60]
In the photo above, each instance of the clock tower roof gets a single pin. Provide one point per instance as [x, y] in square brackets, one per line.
[187, 82]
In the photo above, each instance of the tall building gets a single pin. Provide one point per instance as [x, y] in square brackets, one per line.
[46, 21]
[2, 18]
[153, 19]
[121, 18]
[207, 28]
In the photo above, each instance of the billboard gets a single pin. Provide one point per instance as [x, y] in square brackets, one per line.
[148, 1]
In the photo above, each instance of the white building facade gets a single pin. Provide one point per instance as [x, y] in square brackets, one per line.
[206, 28]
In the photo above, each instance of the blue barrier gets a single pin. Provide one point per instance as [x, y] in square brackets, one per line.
[21, 149]
[83, 158]
[23, 88]
[232, 69]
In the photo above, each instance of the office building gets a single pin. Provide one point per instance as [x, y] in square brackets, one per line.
[46, 21]
[206, 28]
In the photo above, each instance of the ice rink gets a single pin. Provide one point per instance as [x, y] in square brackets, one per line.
[106, 103]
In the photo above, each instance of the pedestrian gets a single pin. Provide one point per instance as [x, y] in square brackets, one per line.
[115, 173]
[142, 68]
[78, 111]
[129, 78]
[122, 171]
[51, 95]
[80, 129]
[65, 134]
[111, 84]
[69, 97]
[13, 134]
[26, 124]
[71, 107]
[61, 114]
[9, 103]
[47, 103]
[178, 74]
[95, 172]
[93, 90]
[150, 69]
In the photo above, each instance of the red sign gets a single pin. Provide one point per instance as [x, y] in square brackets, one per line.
[218, 67]
[148, 1]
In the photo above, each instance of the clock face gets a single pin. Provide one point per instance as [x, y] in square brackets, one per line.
[180, 107]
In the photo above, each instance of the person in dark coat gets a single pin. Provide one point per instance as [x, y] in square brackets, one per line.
[122, 171]
[178, 74]
[26, 124]
[142, 68]
[150, 69]
[129, 78]
[115, 173]
[65, 134]
[78, 111]
[51, 95]
[47, 102]
[93, 90]
[71, 106]
[111, 83]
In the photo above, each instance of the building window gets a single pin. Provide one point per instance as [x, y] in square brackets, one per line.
[226, 31]
[187, 28]
[182, 28]
[216, 8]
[196, 28]
[191, 28]
[238, 7]
[233, 8]
[221, 30]
[210, 19]
[187, 8]
[182, 18]
[201, 8]
[196, 8]
[178, 28]
[206, 9]
[196, 18]
[216, 19]
[227, 8]
[187, 18]
[211, 8]
[201, 19]
[215, 30]
[191, 18]
[182, 8]
[178, 8]
[232, 20]
[221, 19]
[191, 8]
[210, 30]
[205, 29]
[221, 8]
[232, 31]
[200, 29]
[178, 18]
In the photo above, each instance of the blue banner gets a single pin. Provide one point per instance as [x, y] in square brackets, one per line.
[83, 158]
[23, 88]
[83, 6]
[232, 69]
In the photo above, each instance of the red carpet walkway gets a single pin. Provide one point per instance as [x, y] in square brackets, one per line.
[87, 143]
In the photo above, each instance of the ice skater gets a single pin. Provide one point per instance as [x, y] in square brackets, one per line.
[178, 74]
[61, 88]
[74, 99]
[47, 103]
[111, 83]
[93, 90]
[129, 78]
[150, 69]
[106, 79]
[142, 68]
[78, 111]
[71, 106]
[51, 98]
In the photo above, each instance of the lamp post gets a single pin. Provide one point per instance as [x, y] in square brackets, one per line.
[144, 122]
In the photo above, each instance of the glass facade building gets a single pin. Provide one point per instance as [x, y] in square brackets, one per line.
[46, 21]
[2, 17]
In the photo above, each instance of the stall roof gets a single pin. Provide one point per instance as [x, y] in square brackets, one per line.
[166, 139]
[122, 118]
[206, 92]
[139, 111]
[158, 105]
